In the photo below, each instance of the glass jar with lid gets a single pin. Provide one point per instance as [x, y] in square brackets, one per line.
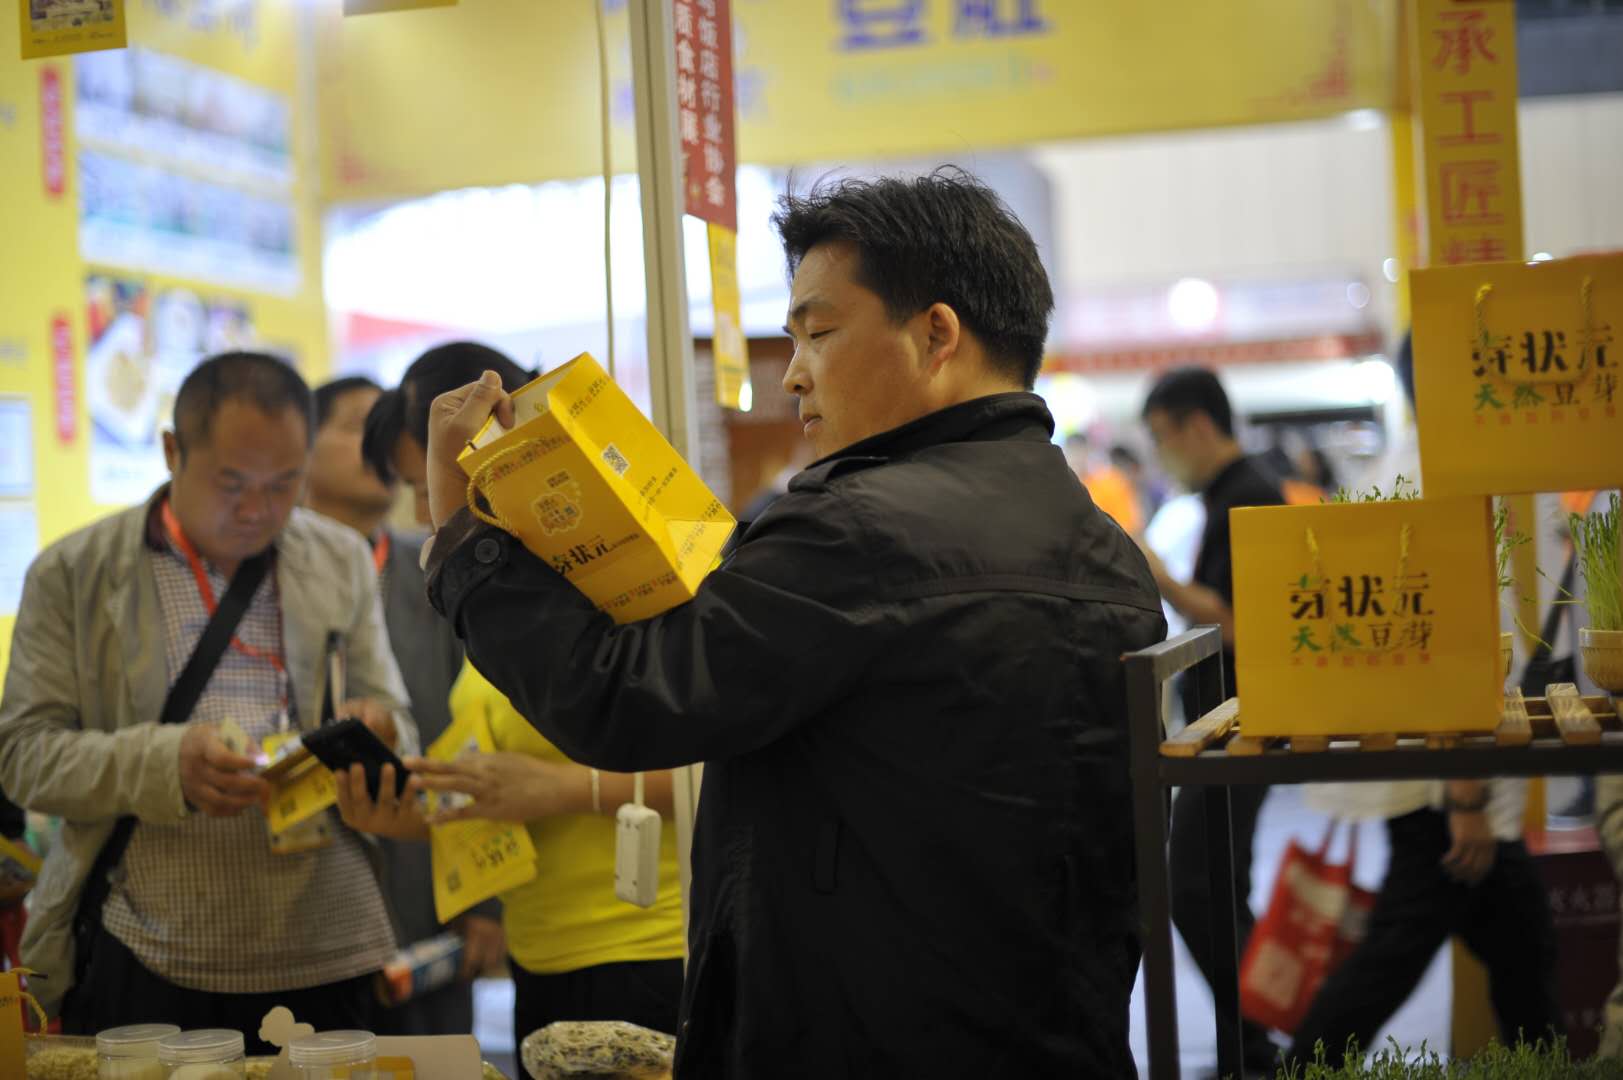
[333, 1055]
[209, 1054]
[131, 1053]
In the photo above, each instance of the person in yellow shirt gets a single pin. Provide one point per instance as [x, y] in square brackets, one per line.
[576, 951]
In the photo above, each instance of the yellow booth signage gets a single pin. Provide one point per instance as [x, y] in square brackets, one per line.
[1516, 376]
[1367, 618]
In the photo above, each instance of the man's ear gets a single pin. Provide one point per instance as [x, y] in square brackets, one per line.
[943, 335]
[171, 452]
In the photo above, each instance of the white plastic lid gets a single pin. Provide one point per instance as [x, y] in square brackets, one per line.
[206, 1046]
[133, 1041]
[333, 1048]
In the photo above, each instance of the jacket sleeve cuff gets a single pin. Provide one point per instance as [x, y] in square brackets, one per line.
[464, 553]
[162, 802]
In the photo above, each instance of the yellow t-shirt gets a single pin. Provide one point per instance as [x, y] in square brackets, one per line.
[567, 917]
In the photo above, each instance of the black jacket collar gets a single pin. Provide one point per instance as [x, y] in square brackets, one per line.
[999, 416]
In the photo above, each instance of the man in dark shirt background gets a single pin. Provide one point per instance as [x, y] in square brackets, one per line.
[1192, 424]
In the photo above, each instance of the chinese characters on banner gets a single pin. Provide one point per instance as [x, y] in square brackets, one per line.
[1345, 611]
[1518, 374]
[705, 117]
[884, 24]
[59, 27]
[1464, 59]
[704, 109]
[728, 343]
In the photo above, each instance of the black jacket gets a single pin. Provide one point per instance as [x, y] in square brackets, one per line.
[913, 853]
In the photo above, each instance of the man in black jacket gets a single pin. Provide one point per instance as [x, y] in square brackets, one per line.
[913, 854]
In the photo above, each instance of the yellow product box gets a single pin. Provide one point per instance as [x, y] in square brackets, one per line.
[591, 486]
[1517, 374]
[1367, 618]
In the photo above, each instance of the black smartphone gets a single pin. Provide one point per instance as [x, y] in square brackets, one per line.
[348, 742]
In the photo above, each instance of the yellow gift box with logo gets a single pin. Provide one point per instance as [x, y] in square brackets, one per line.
[591, 486]
[1367, 618]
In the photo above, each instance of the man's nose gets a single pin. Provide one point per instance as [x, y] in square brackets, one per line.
[795, 380]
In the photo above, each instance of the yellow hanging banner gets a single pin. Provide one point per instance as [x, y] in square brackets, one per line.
[834, 80]
[1464, 88]
[1366, 618]
[373, 7]
[473, 860]
[1516, 375]
[728, 345]
[60, 27]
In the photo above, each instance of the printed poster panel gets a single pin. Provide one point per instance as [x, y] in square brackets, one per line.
[16, 448]
[1367, 618]
[60, 27]
[143, 341]
[19, 543]
[1516, 376]
[185, 171]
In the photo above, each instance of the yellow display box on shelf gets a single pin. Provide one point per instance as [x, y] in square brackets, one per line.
[1367, 618]
[1517, 376]
[592, 487]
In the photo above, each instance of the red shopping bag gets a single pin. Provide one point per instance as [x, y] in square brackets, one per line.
[1315, 918]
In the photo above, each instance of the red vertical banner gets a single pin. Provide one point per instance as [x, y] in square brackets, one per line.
[63, 380]
[52, 156]
[704, 109]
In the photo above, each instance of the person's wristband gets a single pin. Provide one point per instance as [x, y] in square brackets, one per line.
[1476, 806]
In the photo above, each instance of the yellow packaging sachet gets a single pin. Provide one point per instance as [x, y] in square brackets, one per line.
[588, 483]
[1367, 618]
[473, 860]
[306, 793]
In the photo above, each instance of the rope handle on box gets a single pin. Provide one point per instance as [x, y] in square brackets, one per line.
[33, 1003]
[481, 475]
[1586, 297]
[1405, 534]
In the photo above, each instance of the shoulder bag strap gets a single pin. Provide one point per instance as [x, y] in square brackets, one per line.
[177, 708]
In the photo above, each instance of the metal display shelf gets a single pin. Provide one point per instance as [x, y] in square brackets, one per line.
[1545, 748]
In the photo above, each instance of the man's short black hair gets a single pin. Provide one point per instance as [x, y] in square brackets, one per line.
[404, 411]
[266, 382]
[1186, 390]
[327, 394]
[942, 238]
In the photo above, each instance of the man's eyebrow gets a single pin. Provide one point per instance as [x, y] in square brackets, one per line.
[798, 312]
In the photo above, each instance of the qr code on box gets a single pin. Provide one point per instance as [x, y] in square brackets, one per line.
[615, 460]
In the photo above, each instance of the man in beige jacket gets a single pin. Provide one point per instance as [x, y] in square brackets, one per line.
[204, 923]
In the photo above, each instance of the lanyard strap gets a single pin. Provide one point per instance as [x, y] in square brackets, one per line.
[380, 552]
[205, 590]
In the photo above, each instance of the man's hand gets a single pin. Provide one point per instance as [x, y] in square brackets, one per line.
[453, 420]
[505, 786]
[378, 718]
[1471, 857]
[215, 780]
[484, 946]
[389, 815]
